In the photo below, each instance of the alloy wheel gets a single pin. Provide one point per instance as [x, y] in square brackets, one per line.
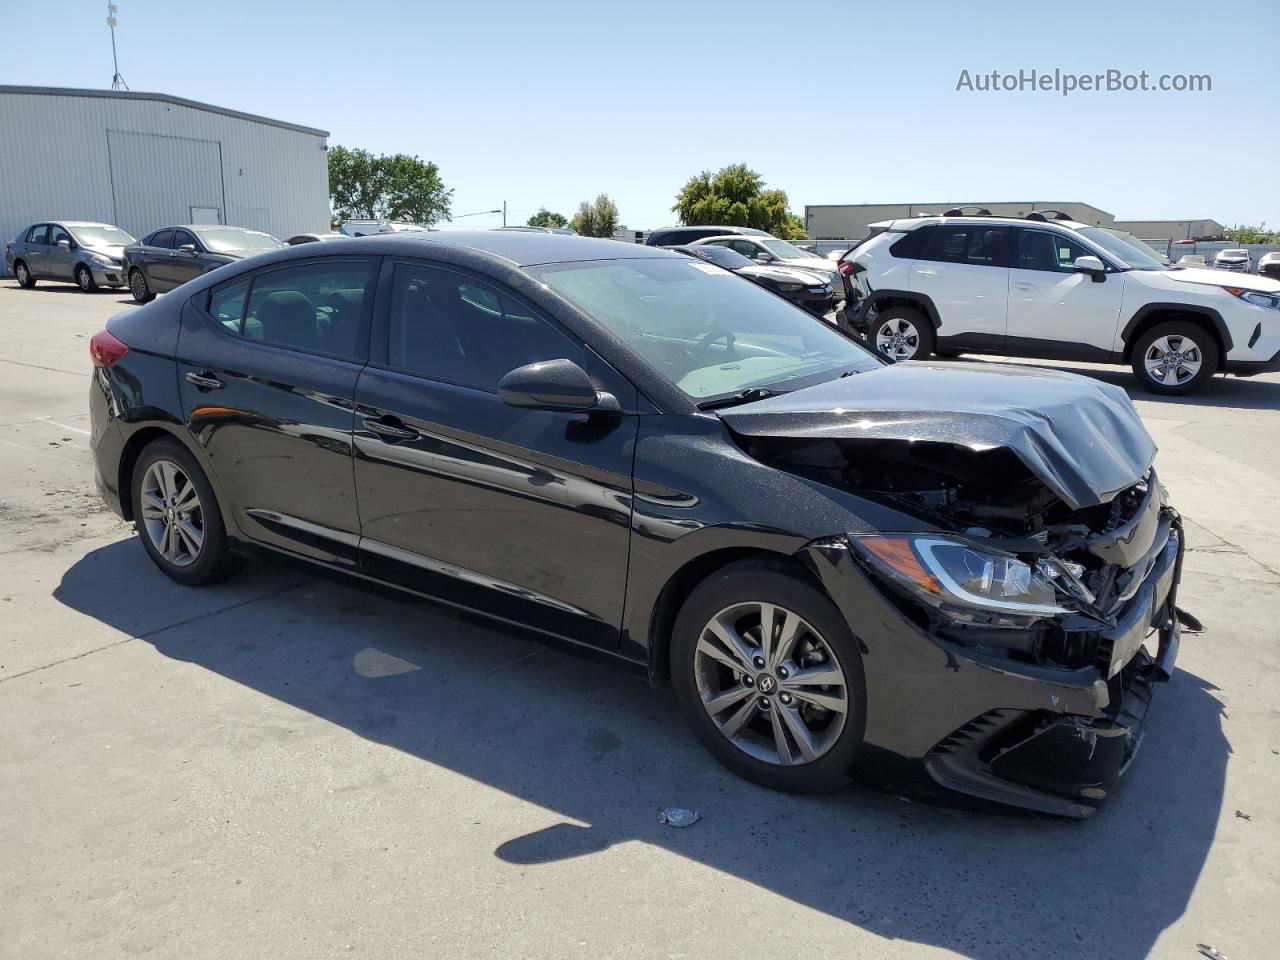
[898, 339]
[22, 275]
[137, 285]
[1172, 360]
[172, 513]
[83, 279]
[771, 684]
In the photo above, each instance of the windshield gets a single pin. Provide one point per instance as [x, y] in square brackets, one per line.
[787, 251]
[1140, 257]
[704, 329]
[720, 256]
[231, 238]
[101, 236]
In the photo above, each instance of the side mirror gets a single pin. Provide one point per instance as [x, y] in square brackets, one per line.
[1092, 266]
[64, 244]
[188, 248]
[554, 385]
[763, 257]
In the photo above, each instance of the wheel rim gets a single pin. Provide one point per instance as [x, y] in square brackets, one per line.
[898, 339]
[137, 285]
[172, 514]
[771, 684]
[82, 278]
[22, 274]
[1173, 360]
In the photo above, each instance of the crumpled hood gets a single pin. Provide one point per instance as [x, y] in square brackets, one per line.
[115, 253]
[1223, 278]
[784, 275]
[1082, 437]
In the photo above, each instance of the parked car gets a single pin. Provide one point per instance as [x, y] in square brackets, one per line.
[674, 236]
[1060, 290]
[766, 249]
[1192, 260]
[1236, 259]
[298, 238]
[527, 229]
[839, 564]
[80, 252]
[370, 228]
[169, 257]
[1269, 265]
[801, 287]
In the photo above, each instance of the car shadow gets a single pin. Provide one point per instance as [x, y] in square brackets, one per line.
[606, 752]
[1240, 393]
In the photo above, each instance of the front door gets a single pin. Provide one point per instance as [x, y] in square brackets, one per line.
[523, 514]
[154, 257]
[267, 369]
[185, 265]
[964, 272]
[59, 261]
[1054, 311]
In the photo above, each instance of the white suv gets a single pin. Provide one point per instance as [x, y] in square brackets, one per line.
[1053, 288]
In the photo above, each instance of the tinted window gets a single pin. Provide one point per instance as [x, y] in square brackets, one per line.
[720, 256]
[226, 304]
[1047, 250]
[162, 239]
[316, 307]
[968, 243]
[38, 234]
[447, 326]
[219, 239]
[57, 233]
[912, 246]
[181, 237]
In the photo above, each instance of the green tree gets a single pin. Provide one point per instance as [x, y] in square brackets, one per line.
[599, 219]
[386, 186]
[545, 218]
[736, 196]
[1243, 234]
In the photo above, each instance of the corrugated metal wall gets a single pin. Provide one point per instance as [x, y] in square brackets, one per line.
[143, 164]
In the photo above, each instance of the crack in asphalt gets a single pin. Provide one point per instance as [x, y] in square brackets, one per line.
[156, 631]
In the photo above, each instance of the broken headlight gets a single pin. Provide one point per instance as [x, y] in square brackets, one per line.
[967, 582]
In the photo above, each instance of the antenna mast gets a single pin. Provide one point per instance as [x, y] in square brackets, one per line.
[117, 81]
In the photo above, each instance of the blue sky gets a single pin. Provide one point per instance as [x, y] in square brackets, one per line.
[551, 103]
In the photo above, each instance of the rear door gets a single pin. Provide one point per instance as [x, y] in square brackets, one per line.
[35, 255]
[1054, 311]
[521, 513]
[267, 369]
[964, 271]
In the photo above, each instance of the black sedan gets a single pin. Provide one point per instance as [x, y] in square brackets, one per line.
[802, 287]
[169, 257]
[841, 566]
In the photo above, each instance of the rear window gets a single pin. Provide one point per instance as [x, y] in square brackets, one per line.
[913, 244]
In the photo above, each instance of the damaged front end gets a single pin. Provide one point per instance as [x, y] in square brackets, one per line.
[1035, 595]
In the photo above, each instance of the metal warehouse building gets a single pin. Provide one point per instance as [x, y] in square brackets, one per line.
[145, 160]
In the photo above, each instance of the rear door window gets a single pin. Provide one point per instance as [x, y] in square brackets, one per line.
[226, 304]
[319, 307]
[974, 244]
[38, 234]
[162, 239]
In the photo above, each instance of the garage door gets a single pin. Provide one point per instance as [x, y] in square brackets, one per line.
[156, 180]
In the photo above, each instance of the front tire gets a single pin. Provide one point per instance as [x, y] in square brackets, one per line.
[1175, 358]
[84, 279]
[902, 333]
[769, 675]
[177, 517]
[139, 287]
[22, 274]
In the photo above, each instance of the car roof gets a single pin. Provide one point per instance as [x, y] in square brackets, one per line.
[516, 246]
[911, 223]
[739, 231]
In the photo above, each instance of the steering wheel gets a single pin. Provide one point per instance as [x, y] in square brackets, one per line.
[703, 346]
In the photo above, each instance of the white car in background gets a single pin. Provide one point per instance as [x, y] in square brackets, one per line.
[1192, 260]
[765, 249]
[1269, 264]
[1237, 260]
[1062, 290]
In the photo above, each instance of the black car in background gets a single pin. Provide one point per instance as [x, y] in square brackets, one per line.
[169, 257]
[298, 238]
[839, 564]
[674, 236]
[802, 287]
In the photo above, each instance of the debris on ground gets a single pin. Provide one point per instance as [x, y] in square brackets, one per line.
[1209, 952]
[679, 817]
[1242, 815]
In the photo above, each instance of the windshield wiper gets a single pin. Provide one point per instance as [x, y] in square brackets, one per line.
[750, 395]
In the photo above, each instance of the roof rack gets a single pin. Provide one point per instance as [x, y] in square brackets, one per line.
[960, 212]
[1039, 215]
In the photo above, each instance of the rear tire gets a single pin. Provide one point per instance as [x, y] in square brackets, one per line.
[177, 516]
[1175, 358]
[23, 275]
[901, 333]
[139, 287]
[84, 279]
[751, 708]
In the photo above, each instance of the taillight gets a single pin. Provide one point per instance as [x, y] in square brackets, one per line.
[846, 268]
[106, 349]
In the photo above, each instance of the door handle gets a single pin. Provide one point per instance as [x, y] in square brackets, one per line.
[390, 429]
[1018, 285]
[205, 380]
[926, 273]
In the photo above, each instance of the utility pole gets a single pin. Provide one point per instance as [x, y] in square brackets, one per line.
[117, 81]
[504, 213]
